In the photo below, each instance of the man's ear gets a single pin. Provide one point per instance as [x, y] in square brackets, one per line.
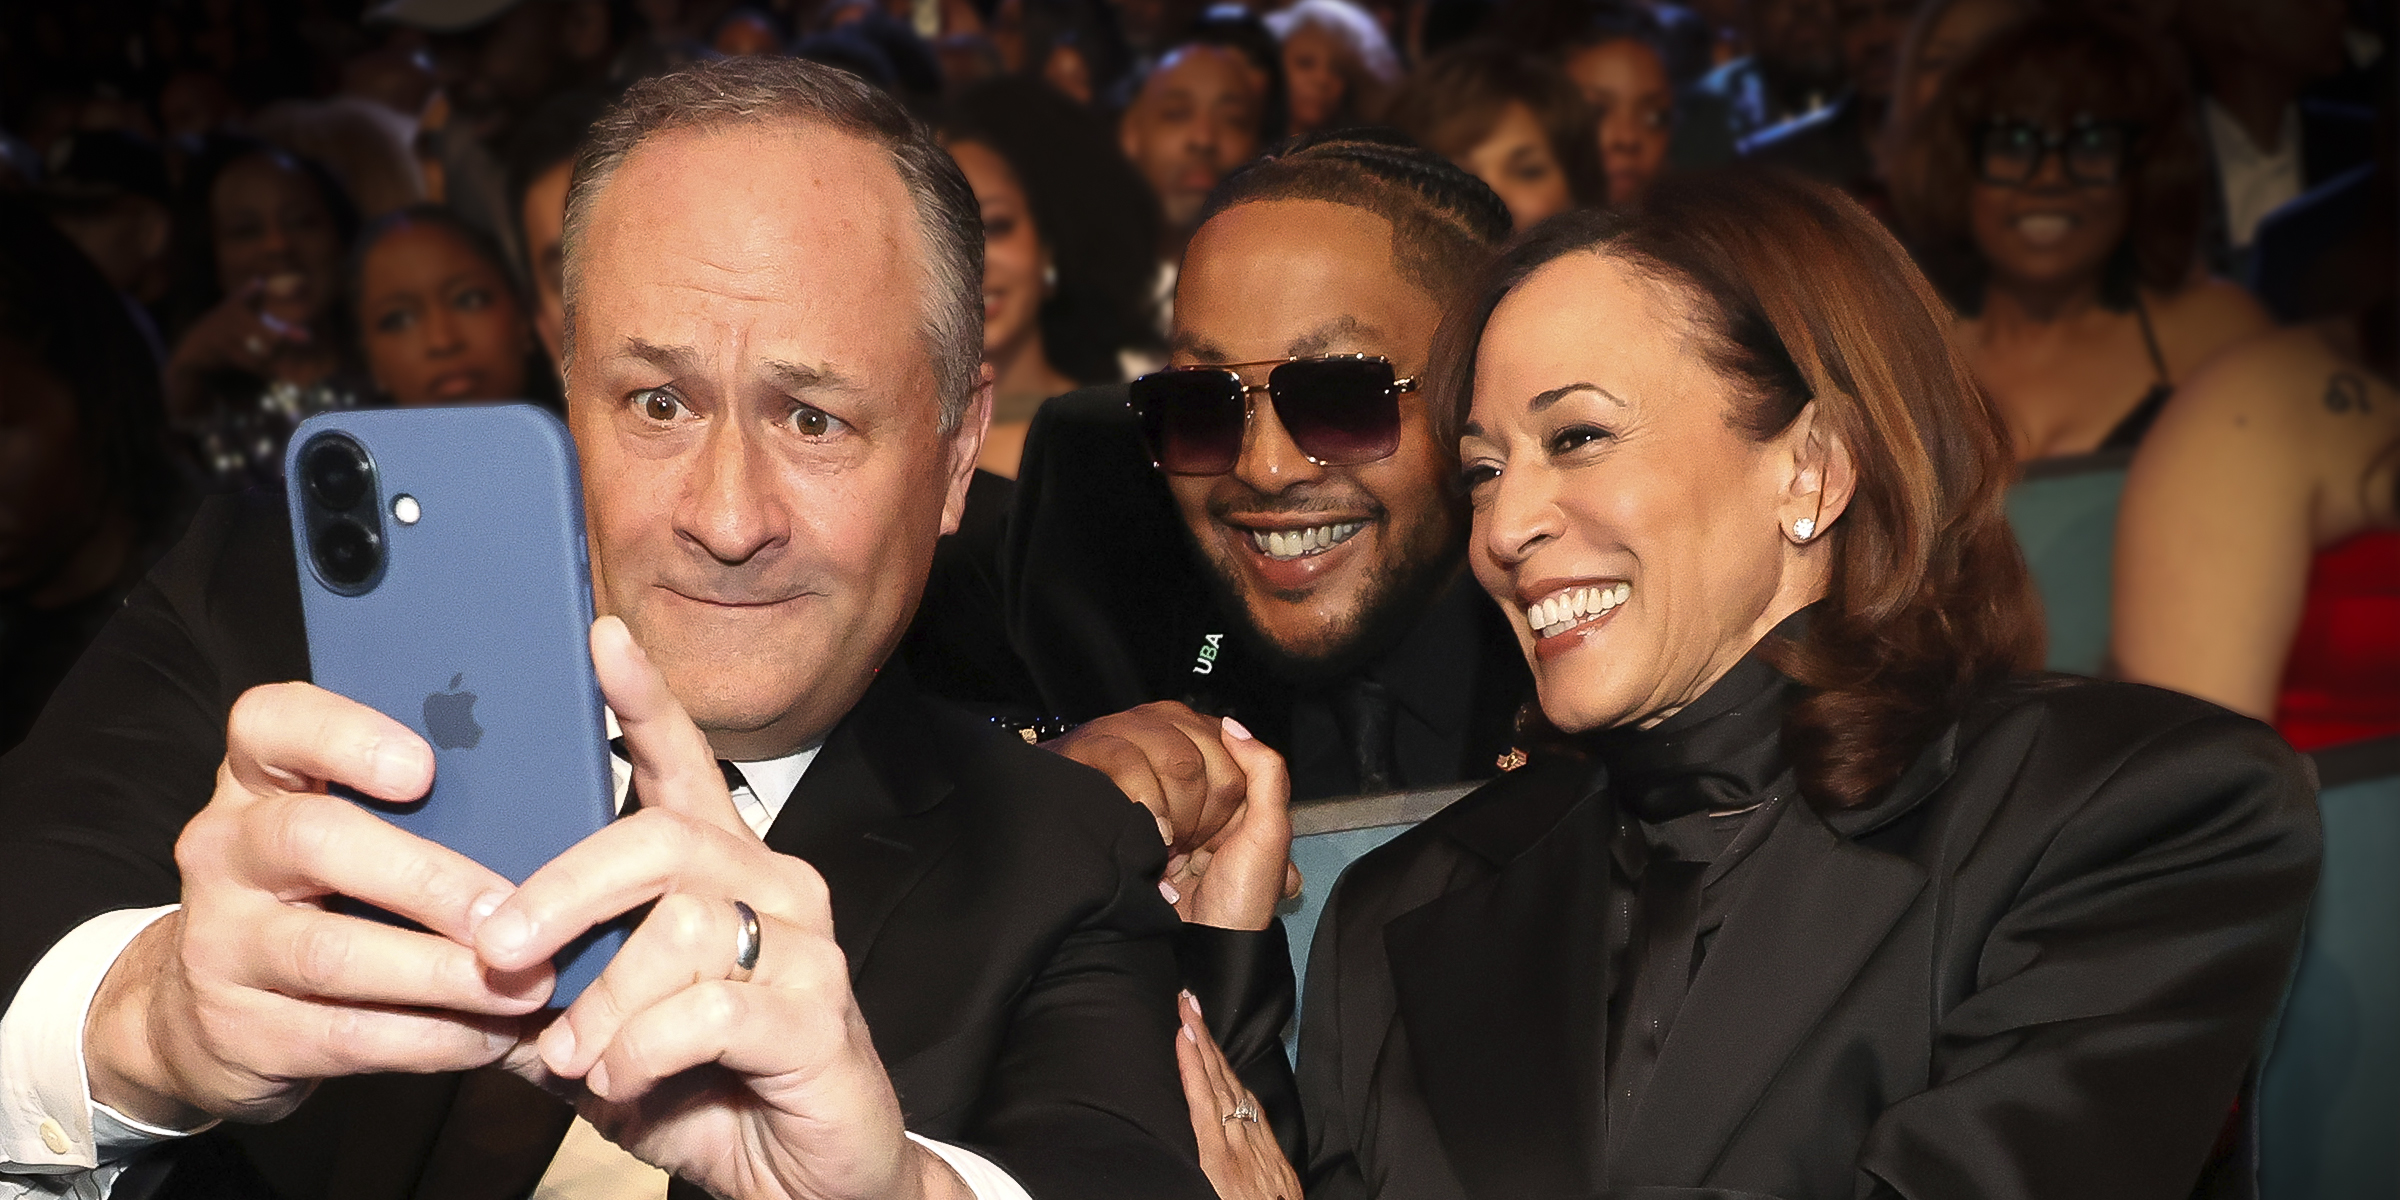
[966, 447]
[1823, 475]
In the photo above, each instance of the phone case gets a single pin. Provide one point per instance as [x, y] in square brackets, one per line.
[473, 631]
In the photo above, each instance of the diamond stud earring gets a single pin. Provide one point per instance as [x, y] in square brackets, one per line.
[1804, 529]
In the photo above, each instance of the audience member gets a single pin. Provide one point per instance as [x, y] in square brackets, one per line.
[260, 237]
[746, 31]
[399, 77]
[108, 193]
[1198, 114]
[1944, 34]
[1068, 229]
[1510, 119]
[1829, 878]
[1284, 551]
[1075, 46]
[1792, 69]
[439, 317]
[2267, 144]
[366, 146]
[2285, 606]
[1615, 61]
[541, 157]
[87, 497]
[1337, 64]
[1019, 997]
[1835, 144]
[2055, 193]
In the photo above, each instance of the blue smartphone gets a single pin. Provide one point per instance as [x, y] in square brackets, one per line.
[445, 583]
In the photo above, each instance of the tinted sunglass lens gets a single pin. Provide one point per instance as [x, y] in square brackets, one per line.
[1192, 419]
[1340, 412]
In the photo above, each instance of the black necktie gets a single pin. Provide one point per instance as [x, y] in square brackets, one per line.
[1364, 708]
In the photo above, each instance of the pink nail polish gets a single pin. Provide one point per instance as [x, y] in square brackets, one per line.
[1168, 890]
[1236, 729]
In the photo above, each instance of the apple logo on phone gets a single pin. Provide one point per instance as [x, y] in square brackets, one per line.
[450, 717]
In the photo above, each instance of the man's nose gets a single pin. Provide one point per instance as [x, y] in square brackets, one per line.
[1271, 462]
[730, 509]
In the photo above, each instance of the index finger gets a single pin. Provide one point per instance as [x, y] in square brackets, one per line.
[297, 737]
[673, 765]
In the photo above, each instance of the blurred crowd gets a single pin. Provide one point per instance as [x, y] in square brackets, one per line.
[2156, 220]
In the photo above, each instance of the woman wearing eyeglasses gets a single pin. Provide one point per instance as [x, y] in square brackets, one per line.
[1815, 892]
[2054, 189]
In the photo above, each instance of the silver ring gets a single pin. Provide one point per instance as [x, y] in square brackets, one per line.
[1247, 1110]
[745, 940]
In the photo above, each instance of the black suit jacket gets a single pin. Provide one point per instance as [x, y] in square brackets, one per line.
[997, 905]
[2035, 972]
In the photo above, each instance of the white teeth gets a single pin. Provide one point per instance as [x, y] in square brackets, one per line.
[1554, 615]
[1300, 543]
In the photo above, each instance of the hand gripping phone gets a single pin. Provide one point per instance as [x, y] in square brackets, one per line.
[445, 583]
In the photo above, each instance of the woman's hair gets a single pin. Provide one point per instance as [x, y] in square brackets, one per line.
[55, 303]
[1445, 222]
[195, 288]
[1367, 62]
[1089, 27]
[1454, 99]
[1798, 296]
[2054, 69]
[1095, 214]
[541, 379]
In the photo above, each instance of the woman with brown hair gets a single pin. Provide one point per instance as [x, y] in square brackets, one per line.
[1815, 892]
[1511, 120]
[2054, 186]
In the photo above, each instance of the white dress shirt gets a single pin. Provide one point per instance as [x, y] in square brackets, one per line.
[2254, 182]
[55, 1140]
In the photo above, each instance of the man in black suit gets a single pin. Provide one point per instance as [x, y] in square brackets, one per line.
[890, 952]
[1323, 605]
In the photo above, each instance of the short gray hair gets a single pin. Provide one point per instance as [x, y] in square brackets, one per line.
[747, 91]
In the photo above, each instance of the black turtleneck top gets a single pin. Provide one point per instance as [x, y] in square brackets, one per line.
[1689, 795]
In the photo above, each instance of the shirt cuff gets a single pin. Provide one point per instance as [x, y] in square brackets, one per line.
[48, 1119]
[987, 1181]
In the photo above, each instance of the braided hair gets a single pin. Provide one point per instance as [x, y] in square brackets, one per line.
[1445, 222]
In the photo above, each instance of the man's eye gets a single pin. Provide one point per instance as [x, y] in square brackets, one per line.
[658, 404]
[813, 422]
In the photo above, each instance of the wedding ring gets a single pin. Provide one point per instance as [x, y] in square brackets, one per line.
[745, 942]
[1247, 1110]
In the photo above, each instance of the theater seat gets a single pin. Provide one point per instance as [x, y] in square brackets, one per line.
[2064, 512]
[2329, 1097]
[1329, 835]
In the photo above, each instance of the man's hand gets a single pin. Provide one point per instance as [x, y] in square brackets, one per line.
[751, 1083]
[235, 1005]
[1221, 799]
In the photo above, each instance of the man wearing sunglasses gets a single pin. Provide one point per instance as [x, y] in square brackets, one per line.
[1265, 538]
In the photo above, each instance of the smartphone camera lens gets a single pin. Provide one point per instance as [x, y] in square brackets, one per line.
[346, 553]
[337, 473]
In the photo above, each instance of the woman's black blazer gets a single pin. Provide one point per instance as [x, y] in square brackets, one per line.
[2037, 970]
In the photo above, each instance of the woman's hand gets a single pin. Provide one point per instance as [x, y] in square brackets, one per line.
[235, 335]
[1237, 1149]
[1235, 878]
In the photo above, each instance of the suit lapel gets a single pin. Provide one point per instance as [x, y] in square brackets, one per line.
[1501, 989]
[1815, 908]
[868, 813]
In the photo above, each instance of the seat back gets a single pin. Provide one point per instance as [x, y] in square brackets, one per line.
[2329, 1094]
[2064, 512]
[1329, 835]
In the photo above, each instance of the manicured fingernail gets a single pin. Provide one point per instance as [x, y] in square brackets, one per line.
[597, 1080]
[505, 932]
[1187, 1035]
[1194, 1001]
[1235, 728]
[1166, 832]
[1168, 890]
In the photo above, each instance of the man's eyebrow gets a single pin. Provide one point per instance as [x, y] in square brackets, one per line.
[802, 377]
[676, 361]
[1554, 395]
[1199, 348]
[1324, 337]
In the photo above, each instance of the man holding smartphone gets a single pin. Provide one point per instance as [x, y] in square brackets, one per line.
[889, 952]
